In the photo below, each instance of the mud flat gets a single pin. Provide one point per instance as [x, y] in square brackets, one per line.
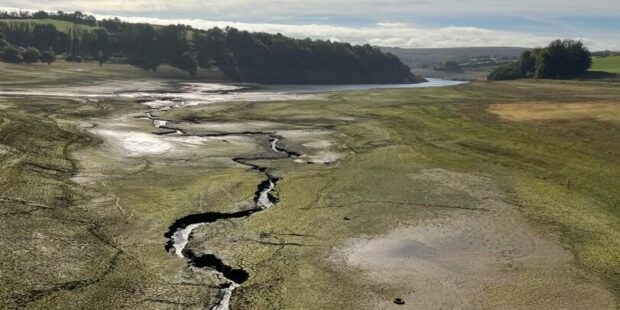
[467, 258]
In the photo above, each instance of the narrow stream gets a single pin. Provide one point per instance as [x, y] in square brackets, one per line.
[274, 146]
[180, 232]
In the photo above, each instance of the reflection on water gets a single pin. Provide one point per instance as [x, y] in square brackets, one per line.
[353, 87]
[163, 95]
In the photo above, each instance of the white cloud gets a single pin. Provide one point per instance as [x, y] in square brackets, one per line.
[389, 34]
[352, 7]
[391, 25]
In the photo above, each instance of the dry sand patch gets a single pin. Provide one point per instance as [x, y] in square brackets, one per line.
[608, 111]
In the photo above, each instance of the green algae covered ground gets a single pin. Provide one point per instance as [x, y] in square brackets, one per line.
[83, 224]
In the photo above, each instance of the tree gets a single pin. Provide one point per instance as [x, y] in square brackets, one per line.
[211, 47]
[559, 60]
[563, 59]
[527, 63]
[40, 15]
[188, 63]
[452, 66]
[508, 72]
[12, 54]
[97, 43]
[31, 55]
[48, 57]
[72, 58]
[75, 43]
[139, 45]
[45, 36]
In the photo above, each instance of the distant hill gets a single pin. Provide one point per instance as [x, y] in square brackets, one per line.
[418, 58]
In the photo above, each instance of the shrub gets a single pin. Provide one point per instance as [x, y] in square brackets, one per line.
[452, 66]
[507, 72]
[48, 57]
[12, 54]
[31, 55]
[73, 58]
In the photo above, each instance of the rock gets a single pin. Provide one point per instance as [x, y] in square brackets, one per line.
[399, 301]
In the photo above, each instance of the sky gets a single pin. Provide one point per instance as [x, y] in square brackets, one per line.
[395, 23]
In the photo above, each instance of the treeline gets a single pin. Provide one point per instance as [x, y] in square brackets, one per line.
[271, 58]
[562, 59]
[606, 53]
[241, 55]
[76, 17]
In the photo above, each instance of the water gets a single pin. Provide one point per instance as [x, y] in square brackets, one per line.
[166, 95]
[194, 90]
[300, 89]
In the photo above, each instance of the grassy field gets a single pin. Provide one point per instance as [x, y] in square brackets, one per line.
[546, 151]
[469, 74]
[608, 64]
[65, 25]
[59, 24]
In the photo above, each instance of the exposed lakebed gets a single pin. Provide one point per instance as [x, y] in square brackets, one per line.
[178, 138]
[180, 232]
[411, 208]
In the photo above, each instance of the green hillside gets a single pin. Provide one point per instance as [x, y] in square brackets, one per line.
[59, 24]
[607, 64]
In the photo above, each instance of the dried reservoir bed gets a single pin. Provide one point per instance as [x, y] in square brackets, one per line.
[486, 195]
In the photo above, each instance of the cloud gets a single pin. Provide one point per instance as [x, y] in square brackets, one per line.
[353, 7]
[391, 25]
[387, 22]
[388, 34]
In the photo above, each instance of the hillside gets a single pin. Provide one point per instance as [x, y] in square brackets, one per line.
[609, 64]
[240, 55]
[61, 25]
[418, 58]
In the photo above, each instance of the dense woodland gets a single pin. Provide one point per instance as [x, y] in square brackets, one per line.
[560, 60]
[241, 55]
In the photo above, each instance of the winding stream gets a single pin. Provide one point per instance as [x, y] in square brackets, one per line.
[180, 232]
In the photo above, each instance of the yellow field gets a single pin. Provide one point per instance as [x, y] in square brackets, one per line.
[528, 111]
